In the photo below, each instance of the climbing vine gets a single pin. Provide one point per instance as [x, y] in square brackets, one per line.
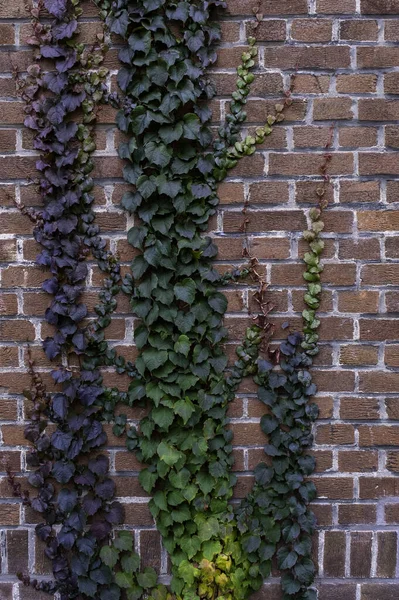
[173, 164]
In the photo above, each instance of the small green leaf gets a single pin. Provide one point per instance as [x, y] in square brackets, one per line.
[109, 555]
[148, 578]
[185, 291]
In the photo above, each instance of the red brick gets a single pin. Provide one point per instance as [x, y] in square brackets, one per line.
[359, 191]
[374, 57]
[378, 382]
[312, 57]
[273, 30]
[378, 487]
[380, 274]
[311, 30]
[379, 329]
[359, 30]
[359, 408]
[326, 109]
[379, 7]
[309, 164]
[372, 591]
[358, 355]
[360, 554]
[339, 7]
[267, 7]
[358, 137]
[335, 434]
[356, 514]
[334, 554]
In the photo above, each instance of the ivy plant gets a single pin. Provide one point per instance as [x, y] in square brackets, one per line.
[174, 163]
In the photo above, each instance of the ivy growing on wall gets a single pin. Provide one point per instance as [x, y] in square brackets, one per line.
[174, 164]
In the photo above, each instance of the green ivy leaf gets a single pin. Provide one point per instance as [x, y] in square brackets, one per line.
[123, 580]
[185, 409]
[185, 291]
[190, 545]
[183, 345]
[148, 578]
[130, 563]
[109, 555]
[168, 454]
[158, 154]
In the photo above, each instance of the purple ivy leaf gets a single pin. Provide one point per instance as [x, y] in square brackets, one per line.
[72, 101]
[86, 545]
[105, 489]
[85, 478]
[61, 440]
[64, 30]
[66, 538]
[63, 471]
[65, 132]
[50, 285]
[100, 529]
[60, 405]
[74, 449]
[89, 394]
[63, 66]
[115, 513]
[56, 114]
[52, 51]
[91, 504]
[79, 341]
[99, 465]
[51, 348]
[43, 531]
[58, 8]
[67, 500]
[55, 82]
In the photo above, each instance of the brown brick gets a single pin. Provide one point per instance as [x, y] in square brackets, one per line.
[377, 57]
[231, 193]
[360, 555]
[392, 406]
[393, 461]
[7, 34]
[339, 7]
[336, 434]
[323, 514]
[6, 589]
[264, 221]
[334, 488]
[378, 109]
[259, 110]
[310, 84]
[392, 136]
[378, 220]
[378, 487]
[379, 329]
[358, 137]
[392, 513]
[358, 355]
[306, 192]
[359, 30]
[17, 551]
[311, 137]
[7, 139]
[368, 249]
[269, 192]
[267, 7]
[379, 382]
[273, 30]
[356, 514]
[392, 355]
[230, 31]
[380, 274]
[379, 7]
[334, 554]
[359, 408]
[312, 57]
[353, 461]
[372, 591]
[269, 248]
[337, 591]
[391, 83]
[311, 30]
[358, 302]
[327, 381]
[386, 556]
[392, 193]
[17, 167]
[325, 109]
[391, 30]
[309, 164]
[16, 330]
[359, 191]
[379, 435]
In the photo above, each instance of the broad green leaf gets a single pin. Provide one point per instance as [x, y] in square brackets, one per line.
[148, 578]
[109, 555]
[130, 562]
[124, 541]
[185, 291]
[183, 345]
[211, 548]
[185, 409]
[190, 545]
[123, 580]
[168, 454]
[158, 154]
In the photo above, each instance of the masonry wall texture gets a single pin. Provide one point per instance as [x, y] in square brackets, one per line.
[341, 59]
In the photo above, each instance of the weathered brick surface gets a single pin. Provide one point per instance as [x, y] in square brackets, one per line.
[340, 58]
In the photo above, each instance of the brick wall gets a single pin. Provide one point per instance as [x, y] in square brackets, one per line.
[341, 58]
